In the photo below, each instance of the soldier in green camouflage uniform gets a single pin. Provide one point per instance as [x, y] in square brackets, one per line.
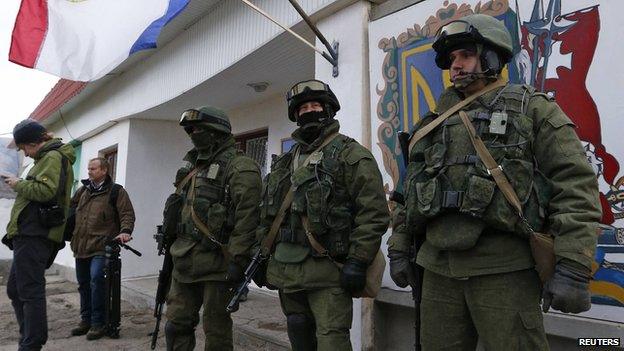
[479, 278]
[340, 193]
[224, 195]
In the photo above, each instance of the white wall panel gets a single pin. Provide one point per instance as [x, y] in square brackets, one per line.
[271, 113]
[155, 153]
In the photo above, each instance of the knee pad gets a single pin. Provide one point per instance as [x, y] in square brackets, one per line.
[301, 332]
[179, 338]
[299, 321]
[171, 330]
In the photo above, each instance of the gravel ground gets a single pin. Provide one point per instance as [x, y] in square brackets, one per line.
[64, 313]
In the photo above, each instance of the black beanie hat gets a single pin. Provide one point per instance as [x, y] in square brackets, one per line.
[28, 131]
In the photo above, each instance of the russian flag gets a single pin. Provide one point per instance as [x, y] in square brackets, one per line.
[82, 40]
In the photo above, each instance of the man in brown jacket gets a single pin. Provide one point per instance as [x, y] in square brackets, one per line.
[103, 213]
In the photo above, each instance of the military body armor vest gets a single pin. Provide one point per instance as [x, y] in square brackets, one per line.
[446, 177]
[211, 202]
[320, 194]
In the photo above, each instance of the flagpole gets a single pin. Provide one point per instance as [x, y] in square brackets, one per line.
[260, 11]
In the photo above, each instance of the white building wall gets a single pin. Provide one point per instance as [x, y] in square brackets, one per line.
[5, 215]
[350, 28]
[155, 152]
[271, 113]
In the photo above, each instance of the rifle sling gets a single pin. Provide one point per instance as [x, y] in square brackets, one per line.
[320, 249]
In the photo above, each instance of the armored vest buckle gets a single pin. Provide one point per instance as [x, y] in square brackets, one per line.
[489, 170]
[452, 199]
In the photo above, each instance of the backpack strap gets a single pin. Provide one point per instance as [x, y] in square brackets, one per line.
[113, 196]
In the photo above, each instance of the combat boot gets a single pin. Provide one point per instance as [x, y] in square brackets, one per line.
[81, 329]
[96, 333]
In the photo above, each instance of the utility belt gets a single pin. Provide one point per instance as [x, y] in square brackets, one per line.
[335, 243]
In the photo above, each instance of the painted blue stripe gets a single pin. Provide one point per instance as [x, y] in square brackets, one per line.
[147, 39]
[610, 276]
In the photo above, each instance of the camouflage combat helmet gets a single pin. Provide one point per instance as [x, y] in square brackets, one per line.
[311, 90]
[208, 116]
[477, 29]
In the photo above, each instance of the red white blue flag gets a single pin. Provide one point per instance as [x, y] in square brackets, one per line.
[82, 40]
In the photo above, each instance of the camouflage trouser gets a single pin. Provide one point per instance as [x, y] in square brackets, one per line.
[183, 304]
[501, 310]
[332, 312]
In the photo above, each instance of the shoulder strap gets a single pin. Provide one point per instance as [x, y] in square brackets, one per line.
[80, 191]
[422, 132]
[112, 201]
[62, 178]
[188, 177]
[267, 243]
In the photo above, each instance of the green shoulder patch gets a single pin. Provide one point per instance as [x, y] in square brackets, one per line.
[244, 164]
[355, 152]
[544, 95]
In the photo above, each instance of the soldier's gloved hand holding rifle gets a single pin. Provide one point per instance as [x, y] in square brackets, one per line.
[235, 273]
[353, 275]
[401, 269]
[568, 290]
[245, 278]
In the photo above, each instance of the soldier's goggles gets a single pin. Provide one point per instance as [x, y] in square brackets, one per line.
[313, 85]
[458, 28]
[192, 115]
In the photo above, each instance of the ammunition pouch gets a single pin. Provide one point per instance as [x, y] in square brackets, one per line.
[171, 217]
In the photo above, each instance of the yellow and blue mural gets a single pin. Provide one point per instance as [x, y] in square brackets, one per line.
[553, 51]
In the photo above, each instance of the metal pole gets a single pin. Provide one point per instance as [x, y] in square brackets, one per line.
[312, 26]
[260, 11]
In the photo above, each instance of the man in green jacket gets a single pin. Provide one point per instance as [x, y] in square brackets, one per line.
[220, 192]
[479, 278]
[339, 203]
[34, 230]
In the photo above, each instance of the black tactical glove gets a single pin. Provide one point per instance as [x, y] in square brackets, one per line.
[235, 273]
[260, 277]
[568, 290]
[401, 269]
[8, 242]
[353, 275]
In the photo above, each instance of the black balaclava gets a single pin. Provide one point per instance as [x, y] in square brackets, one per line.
[312, 123]
[207, 140]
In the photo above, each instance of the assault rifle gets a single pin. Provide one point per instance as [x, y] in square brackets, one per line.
[251, 270]
[164, 282]
[112, 276]
[404, 140]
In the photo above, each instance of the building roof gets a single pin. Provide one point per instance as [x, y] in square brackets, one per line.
[62, 92]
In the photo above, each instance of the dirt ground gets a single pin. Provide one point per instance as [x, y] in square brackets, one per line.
[64, 313]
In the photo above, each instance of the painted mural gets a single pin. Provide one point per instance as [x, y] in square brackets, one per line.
[554, 51]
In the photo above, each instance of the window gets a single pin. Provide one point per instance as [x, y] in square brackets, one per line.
[110, 154]
[254, 145]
